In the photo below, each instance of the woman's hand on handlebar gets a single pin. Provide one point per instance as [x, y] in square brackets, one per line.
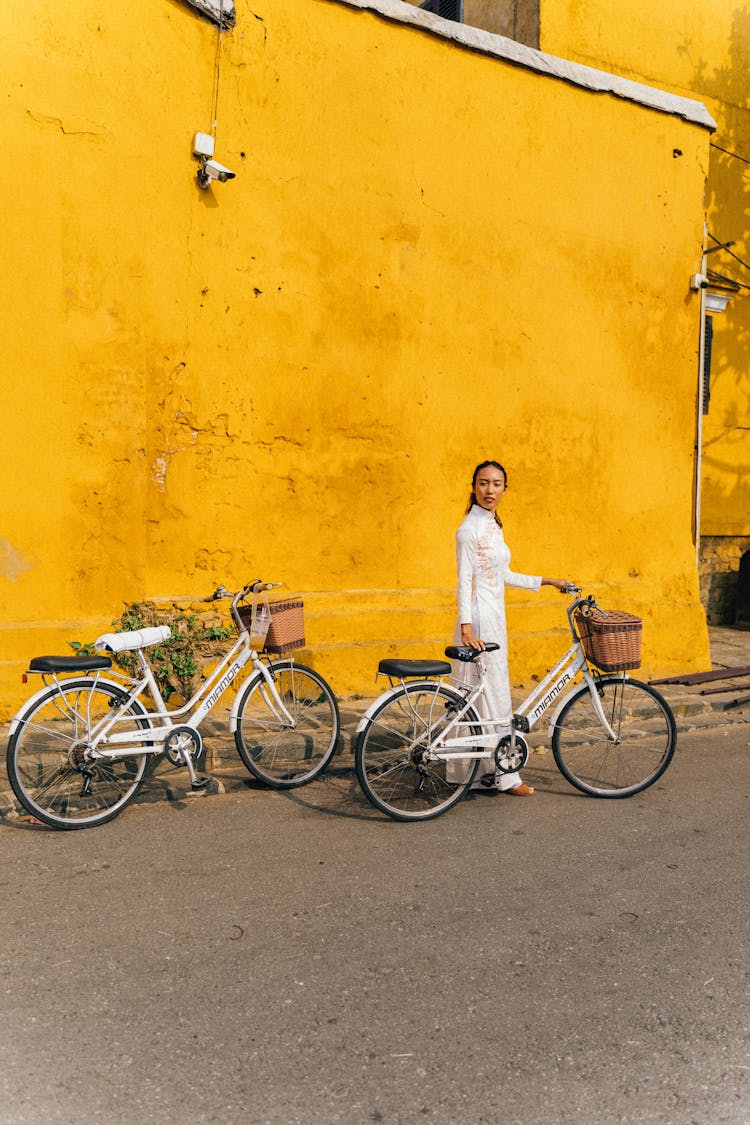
[564, 585]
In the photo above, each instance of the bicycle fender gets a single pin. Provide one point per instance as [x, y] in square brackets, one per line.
[31, 702]
[381, 699]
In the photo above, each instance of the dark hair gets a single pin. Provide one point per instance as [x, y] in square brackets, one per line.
[472, 496]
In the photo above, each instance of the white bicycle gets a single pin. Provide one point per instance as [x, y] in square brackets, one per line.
[79, 747]
[612, 736]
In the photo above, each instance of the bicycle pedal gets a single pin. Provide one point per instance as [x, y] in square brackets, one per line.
[200, 781]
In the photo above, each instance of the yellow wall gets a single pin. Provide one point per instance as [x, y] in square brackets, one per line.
[700, 49]
[293, 374]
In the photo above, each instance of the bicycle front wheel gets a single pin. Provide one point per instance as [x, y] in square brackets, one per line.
[645, 738]
[391, 757]
[48, 768]
[278, 752]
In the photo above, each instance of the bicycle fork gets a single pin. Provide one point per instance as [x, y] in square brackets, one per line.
[597, 705]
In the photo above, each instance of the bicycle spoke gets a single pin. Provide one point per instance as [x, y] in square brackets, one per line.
[391, 753]
[645, 739]
[277, 752]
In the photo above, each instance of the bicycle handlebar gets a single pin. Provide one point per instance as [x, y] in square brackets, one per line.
[255, 587]
[585, 606]
[219, 593]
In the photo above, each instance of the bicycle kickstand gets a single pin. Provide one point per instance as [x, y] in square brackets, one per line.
[197, 780]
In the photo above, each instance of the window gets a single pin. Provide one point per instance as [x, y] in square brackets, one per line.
[448, 9]
[515, 19]
[708, 339]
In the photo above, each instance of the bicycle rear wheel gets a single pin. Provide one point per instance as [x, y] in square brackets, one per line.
[277, 753]
[390, 752]
[47, 769]
[645, 731]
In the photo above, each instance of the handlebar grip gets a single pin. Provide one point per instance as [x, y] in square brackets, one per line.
[257, 587]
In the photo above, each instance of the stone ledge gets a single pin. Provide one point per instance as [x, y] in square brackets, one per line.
[508, 50]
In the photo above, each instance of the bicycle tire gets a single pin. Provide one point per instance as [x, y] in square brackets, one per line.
[388, 752]
[42, 751]
[281, 756]
[646, 738]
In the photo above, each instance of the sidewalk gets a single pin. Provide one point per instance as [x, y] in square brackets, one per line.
[730, 648]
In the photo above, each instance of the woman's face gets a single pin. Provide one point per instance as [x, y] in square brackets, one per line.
[489, 487]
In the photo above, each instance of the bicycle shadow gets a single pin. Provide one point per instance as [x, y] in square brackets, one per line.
[336, 793]
[342, 796]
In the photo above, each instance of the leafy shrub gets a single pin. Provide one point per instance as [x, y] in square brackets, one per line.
[178, 663]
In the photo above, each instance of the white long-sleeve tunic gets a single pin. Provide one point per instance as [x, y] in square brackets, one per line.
[483, 573]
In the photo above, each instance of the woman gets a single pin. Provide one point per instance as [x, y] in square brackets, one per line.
[483, 573]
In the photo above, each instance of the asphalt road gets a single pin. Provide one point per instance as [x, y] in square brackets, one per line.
[291, 958]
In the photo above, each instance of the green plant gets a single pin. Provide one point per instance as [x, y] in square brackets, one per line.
[178, 662]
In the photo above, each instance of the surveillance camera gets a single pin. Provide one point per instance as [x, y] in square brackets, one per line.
[212, 170]
[217, 171]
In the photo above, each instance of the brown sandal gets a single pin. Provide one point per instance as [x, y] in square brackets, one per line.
[522, 790]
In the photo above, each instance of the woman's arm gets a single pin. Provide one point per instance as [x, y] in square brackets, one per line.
[532, 581]
[465, 559]
[467, 630]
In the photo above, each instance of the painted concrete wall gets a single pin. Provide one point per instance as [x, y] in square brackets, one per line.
[699, 49]
[428, 256]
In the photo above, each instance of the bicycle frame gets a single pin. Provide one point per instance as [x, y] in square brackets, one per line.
[106, 742]
[449, 745]
[194, 711]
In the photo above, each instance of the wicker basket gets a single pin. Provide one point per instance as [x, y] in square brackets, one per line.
[611, 639]
[286, 627]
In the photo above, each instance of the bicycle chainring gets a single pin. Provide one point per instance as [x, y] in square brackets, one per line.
[179, 740]
[510, 758]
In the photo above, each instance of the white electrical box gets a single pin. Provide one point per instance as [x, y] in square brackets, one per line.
[203, 145]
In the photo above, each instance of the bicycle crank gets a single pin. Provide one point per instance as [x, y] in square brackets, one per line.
[181, 741]
[511, 754]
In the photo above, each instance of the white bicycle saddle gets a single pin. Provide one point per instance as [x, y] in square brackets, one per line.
[127, 642]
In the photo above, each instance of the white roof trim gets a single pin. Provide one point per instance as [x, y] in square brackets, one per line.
[598, 81]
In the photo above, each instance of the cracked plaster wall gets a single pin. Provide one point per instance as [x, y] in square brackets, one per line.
[292, 374]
